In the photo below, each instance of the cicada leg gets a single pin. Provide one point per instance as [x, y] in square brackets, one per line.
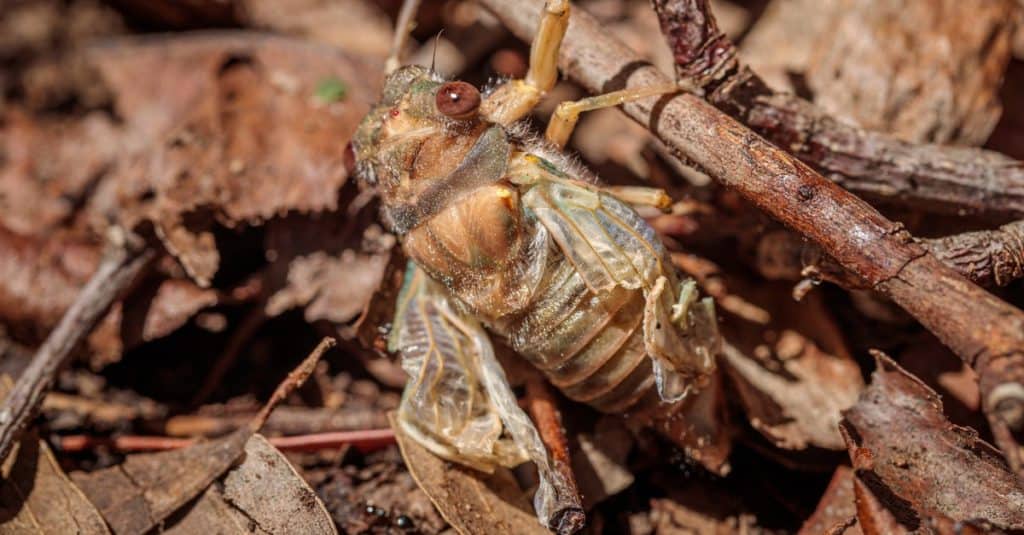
[563, 121]
[640, 196]
[680, 336]
[514, 99]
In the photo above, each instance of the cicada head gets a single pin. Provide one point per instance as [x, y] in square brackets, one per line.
[415, 137]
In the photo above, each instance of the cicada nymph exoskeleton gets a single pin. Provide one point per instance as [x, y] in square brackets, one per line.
[507, 237]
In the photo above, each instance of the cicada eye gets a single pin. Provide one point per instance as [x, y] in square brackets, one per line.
[458, 100]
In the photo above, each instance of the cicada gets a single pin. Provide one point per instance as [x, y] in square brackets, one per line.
[508, 237]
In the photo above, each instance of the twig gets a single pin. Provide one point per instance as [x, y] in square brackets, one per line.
[988, 334]
[285, 420]
[541, 404]
[124, 259]
[986, 257]
[929, 176]
[292, 382]
[239, 340]
[365, 441]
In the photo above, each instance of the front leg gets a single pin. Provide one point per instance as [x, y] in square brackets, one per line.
[514, 99]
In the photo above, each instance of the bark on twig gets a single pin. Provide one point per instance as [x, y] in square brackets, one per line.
[125, 258]
[947, 178]
[988, 334]
[364, 440]
[544, 410]
[986, 257]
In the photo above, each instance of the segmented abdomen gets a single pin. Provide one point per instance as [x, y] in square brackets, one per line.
[588, 345]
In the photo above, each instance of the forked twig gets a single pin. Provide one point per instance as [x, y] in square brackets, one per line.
[125, 258]
[954, 179]
[987, 333]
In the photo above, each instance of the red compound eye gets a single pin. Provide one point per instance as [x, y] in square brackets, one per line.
[458, 100]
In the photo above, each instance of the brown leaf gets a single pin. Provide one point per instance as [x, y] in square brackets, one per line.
[472, 502]
[263, 494]
[50, 166]
[699, 424]
[791, 389]
[836, 507]
[147, 488]
[687, 512]
[599, 463]
[358, 26]
[888, 66]
[40, 278]
[330, 266]
[143, 491]
[919, 465]
[238, 135]
[32, 485]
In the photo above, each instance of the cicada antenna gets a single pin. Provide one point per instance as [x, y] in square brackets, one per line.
[402, 30]
[433, 54]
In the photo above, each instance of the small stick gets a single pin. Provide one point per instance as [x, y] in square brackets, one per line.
[986, 257]
[366, 441]
[124, 259]
[292, 382]
[543, 408]
[238, 341]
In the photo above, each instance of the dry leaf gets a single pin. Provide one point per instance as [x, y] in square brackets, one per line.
[147, 488]
[238, 133]
[262, 495]
[923, 70]
[919, 465]
[791, 389]
[474, 503]
[40, 278]
[36, 496]
[836, 507]
[326, 266]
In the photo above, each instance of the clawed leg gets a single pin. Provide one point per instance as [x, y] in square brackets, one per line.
[563, 121]
[641, 196]
[514, 99]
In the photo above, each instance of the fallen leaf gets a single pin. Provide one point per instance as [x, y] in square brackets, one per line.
[147, 488]
[918, 464]
[32, 484]
[599, 463]
[331, 267]
[263, 494]
[236, 135]
[836, 507]
[474, 503]
[791, 389]
[699, 424]
[41, 277]
[888, 67]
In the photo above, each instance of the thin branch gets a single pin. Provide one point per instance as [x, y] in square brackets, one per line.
[125, 258]
[947, 178]
[986, 257]
[987, 333]
[366, 441]
[569, 517]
